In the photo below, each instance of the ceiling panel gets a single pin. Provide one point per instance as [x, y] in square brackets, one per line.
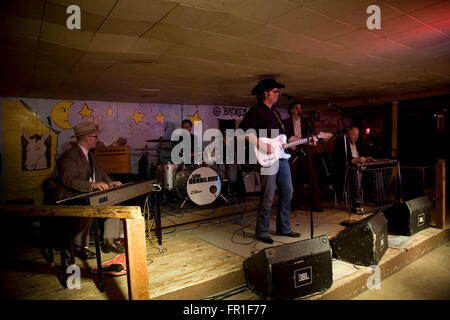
[111, 42]
[216, 5]
[98, 7]
[443, 26]
[354, 39]
[31, 9]
[22, 27]
[263, 11]
[149, 46]
[56, 14]
[139, 10]
[328, 30]
[433, 14]
[299, 19]
[125, 27]
[397, 25]
[408, 6]
[60, 35]
[206, 52]
[214, 22]
[338, 8]
[420, 38]
[358, 17]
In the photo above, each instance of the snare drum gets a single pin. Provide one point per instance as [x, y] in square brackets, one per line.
[201, 185]
[166, 174]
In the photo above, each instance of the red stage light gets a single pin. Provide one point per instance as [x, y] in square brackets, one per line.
[367, 130]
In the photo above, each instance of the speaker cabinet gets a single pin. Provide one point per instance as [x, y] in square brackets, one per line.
[292, 270]
[409, 217]
[252, 182]
[363, 243]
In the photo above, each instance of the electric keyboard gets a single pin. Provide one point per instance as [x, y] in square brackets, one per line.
[113, 196]
[380, 163]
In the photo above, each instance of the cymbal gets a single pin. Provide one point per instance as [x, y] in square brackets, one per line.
[159, 140]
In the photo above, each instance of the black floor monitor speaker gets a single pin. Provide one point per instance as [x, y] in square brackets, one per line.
[292, 270]
[364, 243]
[409, 217]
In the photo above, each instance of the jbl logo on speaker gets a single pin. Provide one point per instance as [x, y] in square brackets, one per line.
[421, 219]
[302, 277]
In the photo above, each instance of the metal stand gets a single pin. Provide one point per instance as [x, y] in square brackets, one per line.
[223, 197]
[184, 201]
[310, 132]
[158, 219]
[99, 257]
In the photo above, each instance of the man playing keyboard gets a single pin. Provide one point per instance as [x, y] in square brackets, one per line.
[79, 173]
[352, 158]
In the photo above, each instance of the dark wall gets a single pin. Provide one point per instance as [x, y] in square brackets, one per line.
[420, 141]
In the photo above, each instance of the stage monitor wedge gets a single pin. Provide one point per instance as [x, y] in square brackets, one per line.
[292, 270]
[409, 217]
[363, 243]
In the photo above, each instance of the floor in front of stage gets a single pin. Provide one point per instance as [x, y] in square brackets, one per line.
[202, 254]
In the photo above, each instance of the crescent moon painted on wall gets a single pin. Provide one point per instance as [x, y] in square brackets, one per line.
[60, 114]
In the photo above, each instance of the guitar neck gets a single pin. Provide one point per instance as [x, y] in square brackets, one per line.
[296, 143]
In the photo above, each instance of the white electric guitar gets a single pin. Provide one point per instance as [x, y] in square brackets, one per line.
[277, 148]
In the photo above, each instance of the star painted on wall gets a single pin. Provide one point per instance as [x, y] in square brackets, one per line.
[175, 115]
[85, 112]
[195, 118]
[109, 112]
[137, 117]
[159, 117]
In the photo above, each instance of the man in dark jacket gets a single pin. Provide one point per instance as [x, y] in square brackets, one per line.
[263, 117]
[300, 164]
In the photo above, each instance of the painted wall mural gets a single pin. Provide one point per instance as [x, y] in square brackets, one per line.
[60, 114]
[28, 149]
[50, 122]
[36, 151]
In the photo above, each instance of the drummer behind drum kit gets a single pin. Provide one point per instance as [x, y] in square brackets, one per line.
[197, 183]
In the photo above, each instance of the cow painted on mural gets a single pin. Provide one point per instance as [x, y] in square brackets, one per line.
[36, 150]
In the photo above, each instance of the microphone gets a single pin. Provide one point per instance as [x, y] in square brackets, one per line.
[331, 104]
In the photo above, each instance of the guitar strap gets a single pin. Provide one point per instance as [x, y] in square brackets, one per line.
[279, 120]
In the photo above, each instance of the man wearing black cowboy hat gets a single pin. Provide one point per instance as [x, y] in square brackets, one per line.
[263, 117]
[79, 174]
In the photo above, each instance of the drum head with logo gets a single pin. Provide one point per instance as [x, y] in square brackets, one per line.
[203, 186]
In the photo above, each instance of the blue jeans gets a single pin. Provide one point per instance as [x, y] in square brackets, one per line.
[281, 180]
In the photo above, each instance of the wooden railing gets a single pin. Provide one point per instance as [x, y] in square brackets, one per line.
[440, 194]
[134, 229]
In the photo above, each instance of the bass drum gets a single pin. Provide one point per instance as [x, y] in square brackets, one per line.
[201, 185]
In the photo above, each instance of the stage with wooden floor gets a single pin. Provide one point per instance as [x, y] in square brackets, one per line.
[201, 255]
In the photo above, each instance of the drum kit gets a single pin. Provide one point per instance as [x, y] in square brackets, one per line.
[198, 183]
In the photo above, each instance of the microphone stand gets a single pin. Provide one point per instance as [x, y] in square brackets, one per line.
[327, 172]
[309, 128]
